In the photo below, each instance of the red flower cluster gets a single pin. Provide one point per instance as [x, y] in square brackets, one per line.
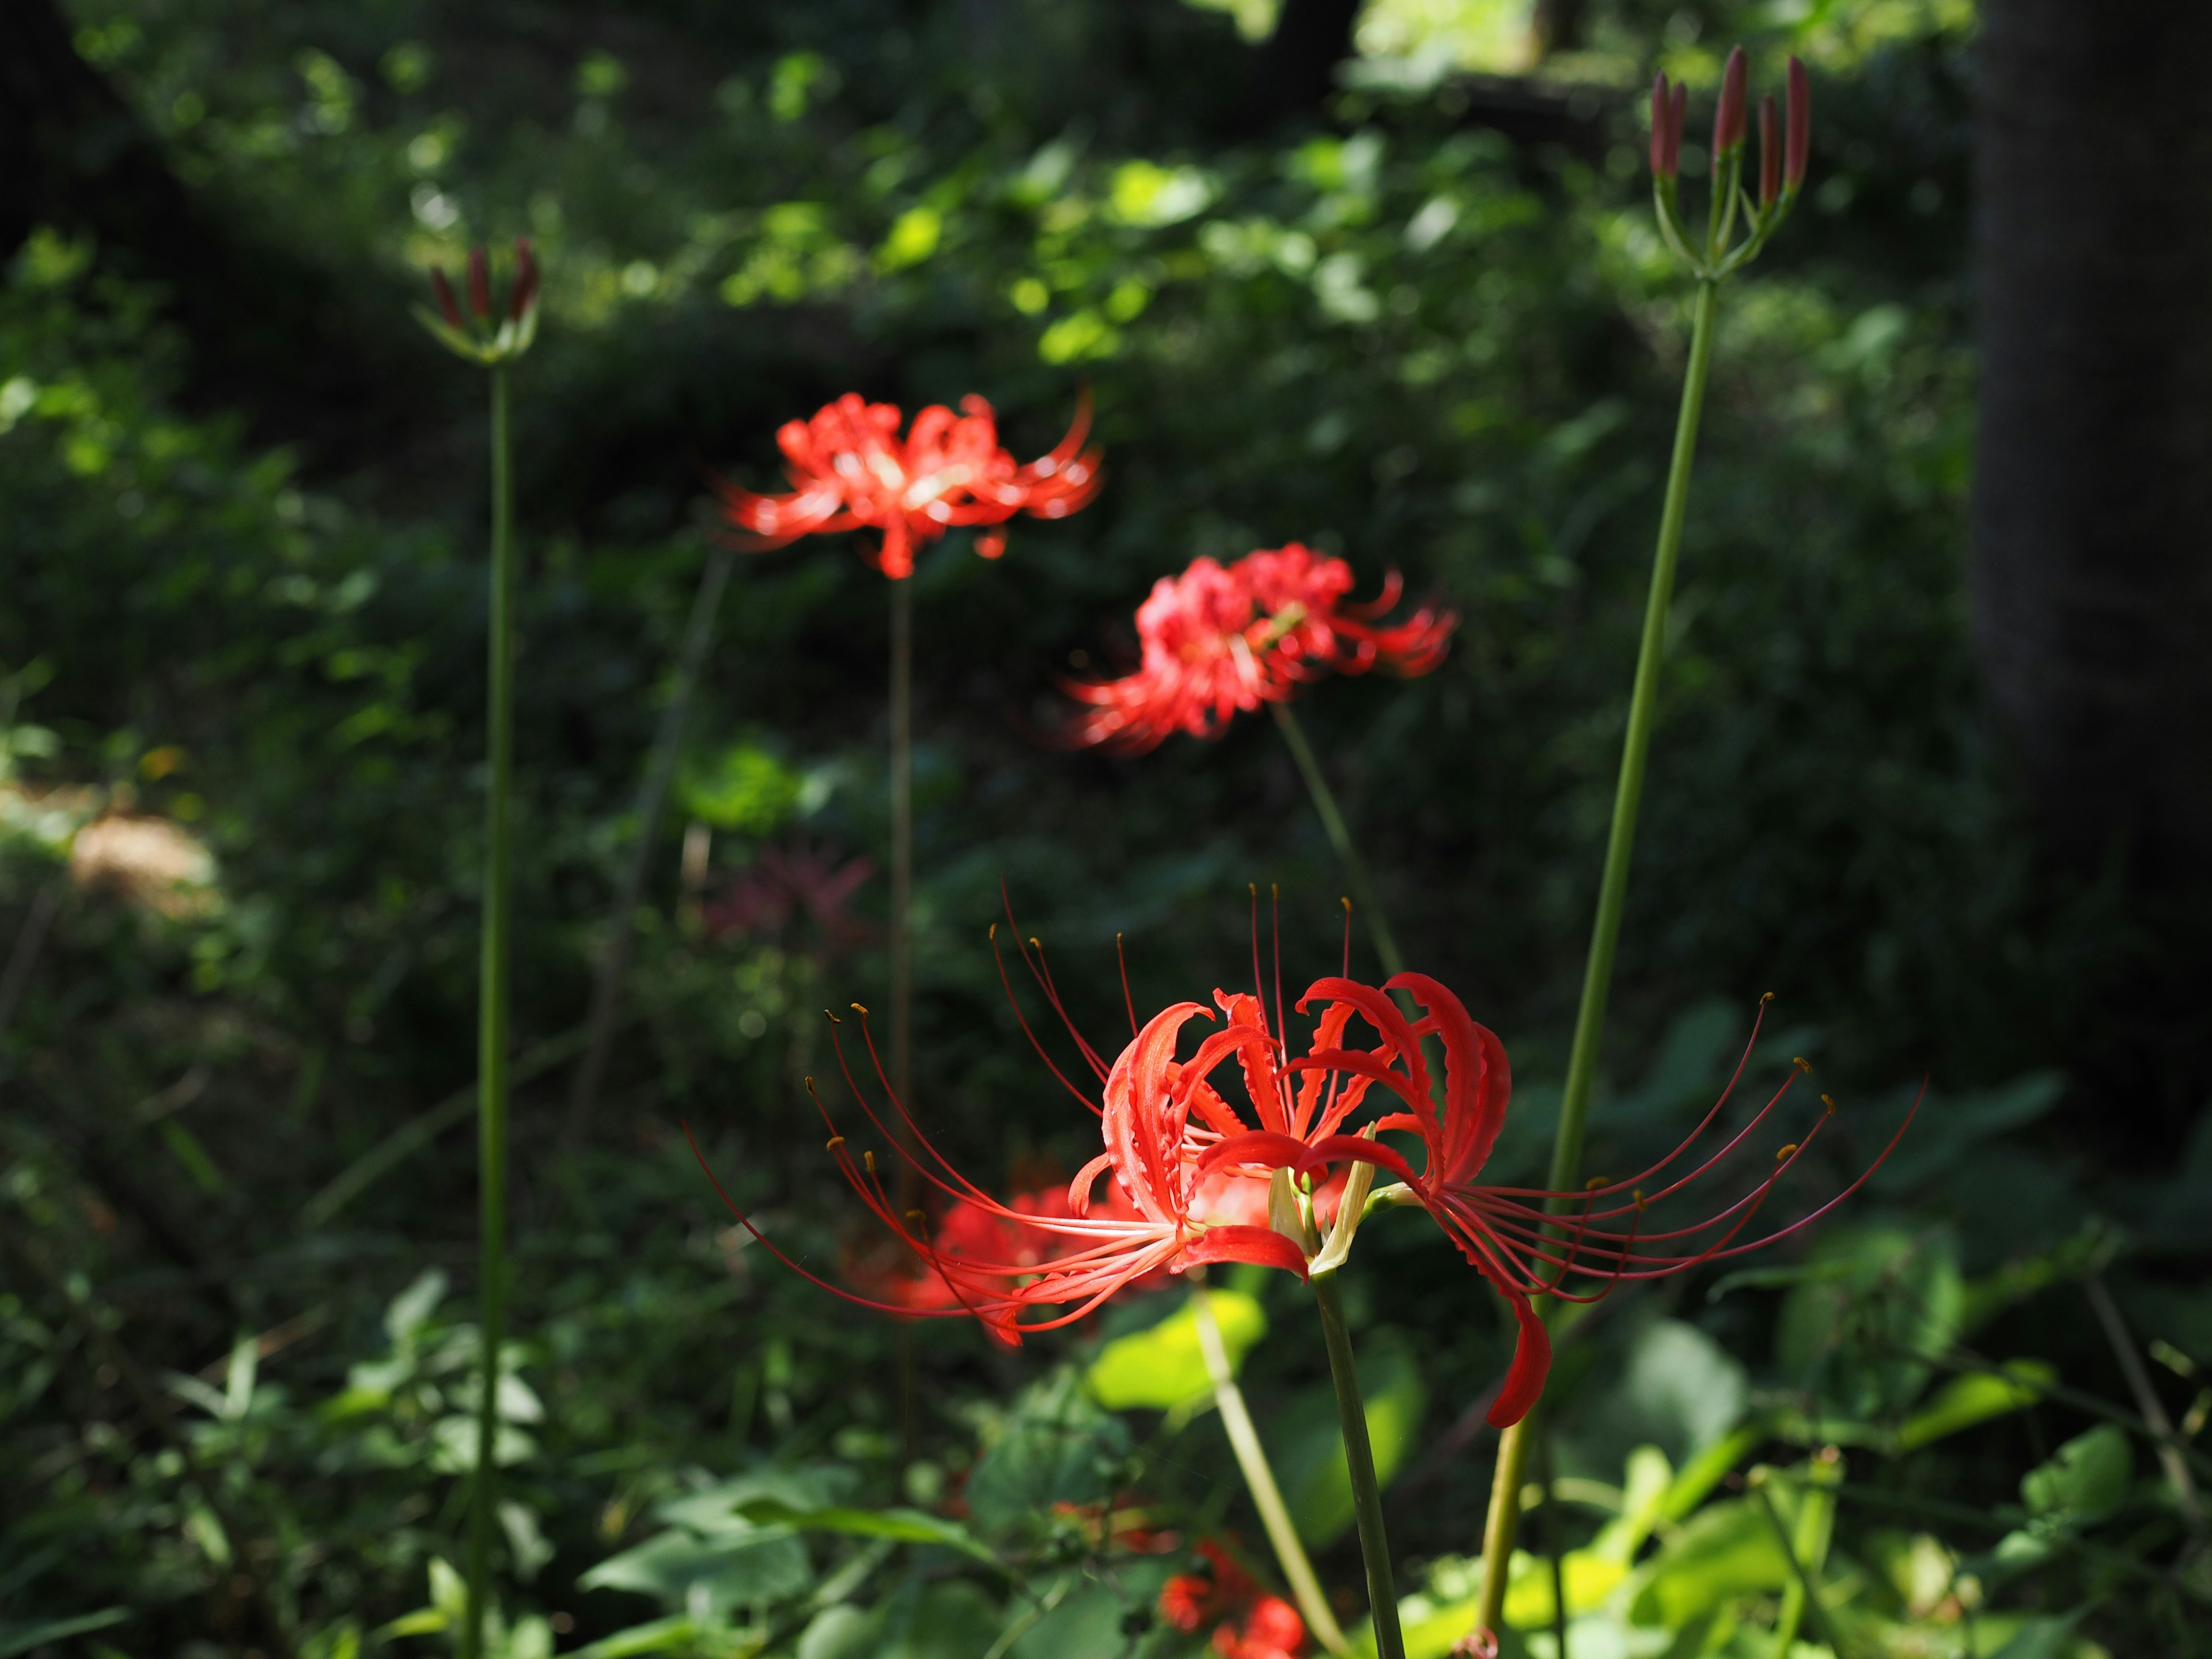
[787, 882]
[853, 471]
[1251, 1624]
[1218, 641]
[1196, 1180]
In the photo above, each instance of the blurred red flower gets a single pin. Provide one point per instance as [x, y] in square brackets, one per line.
[787, 883]
[852, 471]
[1220, 640]
[1223, 1595]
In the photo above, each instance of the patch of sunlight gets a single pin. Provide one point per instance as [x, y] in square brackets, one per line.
[1255, 19]
[1495, 37]
[1839, 35]
[151, 861]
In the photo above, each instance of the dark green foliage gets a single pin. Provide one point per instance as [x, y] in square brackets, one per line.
[1396, 338]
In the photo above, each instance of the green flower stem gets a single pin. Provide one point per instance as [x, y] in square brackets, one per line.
[652, 797]
[909, 1186]
[491, 1017]
[1612, 895]
[1340, 836]
[902, 847]
[1267, 1496]
[1359, 1461]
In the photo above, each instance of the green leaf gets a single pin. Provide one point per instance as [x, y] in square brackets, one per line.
[2042, 1638]
[1975, 1398]
[707, 1577]
[672, 1635]
[21, 1638]
[901, 1525]
[1724, 1551]
[2085, 1479]
[1859, 1332]
[1163, 1368]
[1057, 1447]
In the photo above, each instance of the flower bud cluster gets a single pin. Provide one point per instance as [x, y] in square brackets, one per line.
[1784, 146]
[485, 335]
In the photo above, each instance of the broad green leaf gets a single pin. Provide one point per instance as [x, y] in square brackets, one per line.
[1648, 1479]
[1674, 1389]
[1057, 1447]
[674, 1635]
[2042, 1637]
[38, 1633]
[902, 1525]
[707, 1577]
[2085, 1479]
[1975, 1398]
[1859, 1334]
[1724, 1551]
[1163, 1368]
[1589, 1578]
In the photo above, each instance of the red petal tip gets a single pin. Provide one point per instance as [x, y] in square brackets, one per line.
[1728, 125]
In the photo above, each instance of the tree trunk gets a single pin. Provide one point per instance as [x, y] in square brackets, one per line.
[2093, 519]
[270, 333]
[2093, 571]
[1296, 70]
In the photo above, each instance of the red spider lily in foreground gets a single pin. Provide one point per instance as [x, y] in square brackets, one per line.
[853, 471]
[1219, 641]
[1248, 1623]
[1193, 1174]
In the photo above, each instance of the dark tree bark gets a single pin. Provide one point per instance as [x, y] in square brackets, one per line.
[1561, 25]
[1296, 70]
[2093, 519]
[2093, 571]
[270, 332]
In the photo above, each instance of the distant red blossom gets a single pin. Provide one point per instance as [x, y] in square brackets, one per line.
[1219, 641]
[785, 882]
[1249, 1624]
[853, 471]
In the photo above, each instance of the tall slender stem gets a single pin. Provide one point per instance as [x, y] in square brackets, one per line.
[652, 793]
[902, 842]
[909, 1184]
[1612, 897]
[1267, 1496]
[491, 1016]
[1359, 1463]
[1340, 836]
[1553, 1546]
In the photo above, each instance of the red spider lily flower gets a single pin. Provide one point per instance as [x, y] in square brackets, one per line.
[1038, 1264]
[785, 882]
[1196, 1180]
[1513, 1236]
[852, 470]
[1225, 1595]
[1220, 641]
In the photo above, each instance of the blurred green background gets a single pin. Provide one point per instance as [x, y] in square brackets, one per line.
[1416, 315]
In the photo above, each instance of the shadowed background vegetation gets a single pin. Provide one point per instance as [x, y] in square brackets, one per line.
[1382, 279]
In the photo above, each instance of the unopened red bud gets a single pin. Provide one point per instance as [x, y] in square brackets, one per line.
[479, 284]
[1800, 149]
[1676, 114]
[1728, 125]
[1660, 102]
[525, 279]
[448, 307]
[1770, 152]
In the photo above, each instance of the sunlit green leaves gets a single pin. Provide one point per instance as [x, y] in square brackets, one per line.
[1163, 1368]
